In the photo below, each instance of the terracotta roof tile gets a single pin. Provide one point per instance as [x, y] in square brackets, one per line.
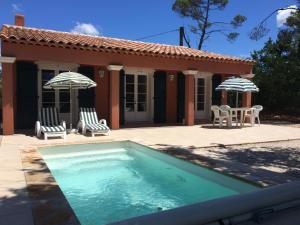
[51, 37]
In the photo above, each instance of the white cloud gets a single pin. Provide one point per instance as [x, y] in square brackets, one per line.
[16, 7]
[85, 28]
[282, 15]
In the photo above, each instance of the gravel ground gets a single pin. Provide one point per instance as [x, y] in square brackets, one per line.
[264, 163]
[270, 163]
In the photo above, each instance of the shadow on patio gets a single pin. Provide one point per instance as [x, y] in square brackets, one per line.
[265, 164]
[42, 198]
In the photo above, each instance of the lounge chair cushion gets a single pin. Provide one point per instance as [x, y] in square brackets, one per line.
[53, 129]
[97, 127]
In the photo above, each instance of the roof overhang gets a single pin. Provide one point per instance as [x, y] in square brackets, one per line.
[51, 38]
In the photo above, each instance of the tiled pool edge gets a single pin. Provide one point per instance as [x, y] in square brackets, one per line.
[46, 196]
[195, 159]
[49, 205]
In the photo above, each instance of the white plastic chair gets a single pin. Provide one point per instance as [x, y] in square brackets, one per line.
[253, 114]
[232, 116]
[219, 116]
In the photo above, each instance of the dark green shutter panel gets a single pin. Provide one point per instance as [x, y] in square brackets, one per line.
[160, 97]
[86, 97]
[216, 95]
[27, 98]
[122, 97]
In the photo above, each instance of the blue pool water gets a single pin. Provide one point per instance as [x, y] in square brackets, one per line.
[115, 181]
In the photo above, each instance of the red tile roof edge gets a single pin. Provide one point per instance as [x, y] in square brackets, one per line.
[108, 44]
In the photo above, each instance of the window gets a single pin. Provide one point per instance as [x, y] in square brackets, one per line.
[64, 100]
[142, 93]
[129, 93]
[48, 95]
[136, 93]
[200, 94]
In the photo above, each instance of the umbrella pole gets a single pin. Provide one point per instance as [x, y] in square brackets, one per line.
[71, 110]
[237, 100]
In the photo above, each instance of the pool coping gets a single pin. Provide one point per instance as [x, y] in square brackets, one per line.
[48, 203]
[46, 195]
[204, 163]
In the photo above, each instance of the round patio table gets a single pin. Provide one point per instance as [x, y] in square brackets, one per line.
[242, 111]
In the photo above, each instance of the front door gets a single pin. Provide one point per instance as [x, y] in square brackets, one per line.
[136, 98]
[200, 98]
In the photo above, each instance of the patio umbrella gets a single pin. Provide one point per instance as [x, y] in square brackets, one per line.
[70, 81]
[239, 85]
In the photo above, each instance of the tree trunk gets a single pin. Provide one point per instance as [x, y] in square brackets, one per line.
[203, 31]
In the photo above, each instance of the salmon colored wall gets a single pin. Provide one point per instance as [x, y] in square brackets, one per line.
[15, 92]
[247, 99]
[107, 91]
[102, 93]
[33, 52]
[189, 100]
[171, 101]
[114, 99]
[8, 74]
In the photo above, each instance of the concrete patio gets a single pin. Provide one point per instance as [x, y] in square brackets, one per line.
[194, 136]
[200, 144]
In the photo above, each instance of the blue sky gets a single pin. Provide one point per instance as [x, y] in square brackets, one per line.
[132, 19]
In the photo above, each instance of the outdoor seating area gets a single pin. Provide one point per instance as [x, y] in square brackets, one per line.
[50, 125]
[239, 116]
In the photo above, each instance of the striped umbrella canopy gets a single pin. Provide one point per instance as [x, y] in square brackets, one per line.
[237, 84]
[70, 80]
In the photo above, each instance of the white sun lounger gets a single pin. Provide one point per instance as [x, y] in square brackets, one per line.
[89, 122]
[49, 124]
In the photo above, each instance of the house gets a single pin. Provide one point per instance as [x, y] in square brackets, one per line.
[136, 81]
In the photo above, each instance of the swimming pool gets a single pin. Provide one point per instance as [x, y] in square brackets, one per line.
[114, 181]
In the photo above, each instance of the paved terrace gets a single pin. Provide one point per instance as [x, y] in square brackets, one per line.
[220, 149]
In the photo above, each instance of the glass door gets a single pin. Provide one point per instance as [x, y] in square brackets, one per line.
[141, 98]
[64, 103]
[48, 95]
[200, 102]
[129, 97]
[56, 98]
[136, 98]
